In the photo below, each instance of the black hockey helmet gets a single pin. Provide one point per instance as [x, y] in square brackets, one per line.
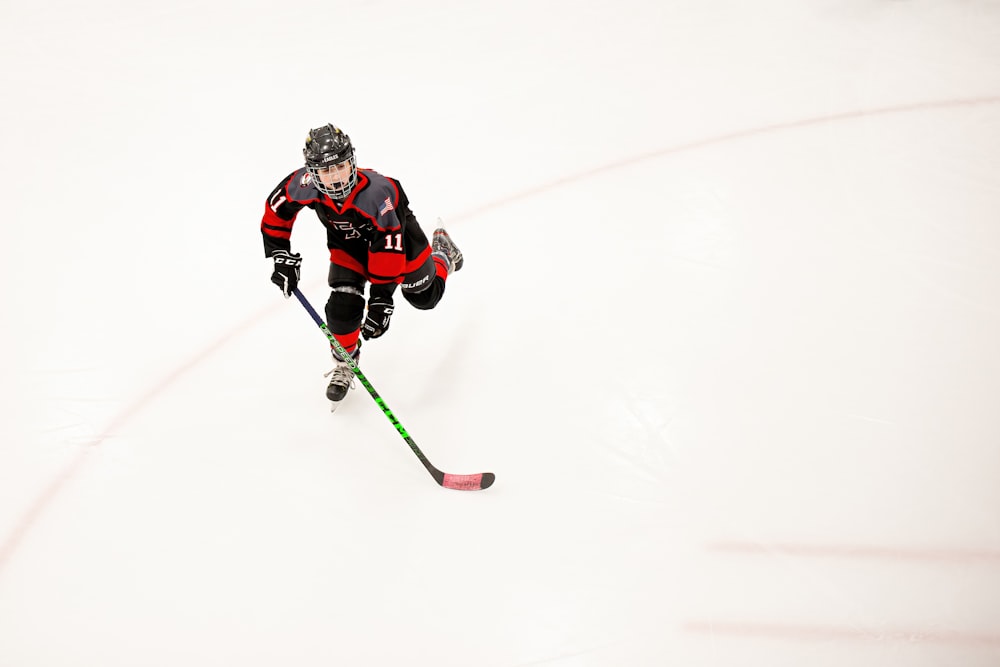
[328, 147]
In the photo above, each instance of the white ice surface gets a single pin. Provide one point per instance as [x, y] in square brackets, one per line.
[727, 334]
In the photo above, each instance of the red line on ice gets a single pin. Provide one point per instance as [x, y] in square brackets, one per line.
[36, 509]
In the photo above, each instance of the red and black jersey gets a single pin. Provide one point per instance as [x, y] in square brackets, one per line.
[372, 232]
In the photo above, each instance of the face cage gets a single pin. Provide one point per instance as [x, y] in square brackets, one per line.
[337, 191]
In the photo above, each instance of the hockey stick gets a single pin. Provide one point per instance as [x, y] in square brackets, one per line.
[460, 482]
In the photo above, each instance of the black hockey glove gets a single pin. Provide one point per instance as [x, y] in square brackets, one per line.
[377, 322]
[286, 270]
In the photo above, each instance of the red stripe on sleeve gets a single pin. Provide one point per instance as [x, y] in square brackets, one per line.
[274, 226]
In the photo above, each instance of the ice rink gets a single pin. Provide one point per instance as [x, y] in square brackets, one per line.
[728, 333]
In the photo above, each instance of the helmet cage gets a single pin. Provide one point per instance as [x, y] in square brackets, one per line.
[337, 190]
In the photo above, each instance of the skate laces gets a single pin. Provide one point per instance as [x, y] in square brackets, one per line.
[342, 375]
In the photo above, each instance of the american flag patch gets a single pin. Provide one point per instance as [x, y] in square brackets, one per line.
[385, 207]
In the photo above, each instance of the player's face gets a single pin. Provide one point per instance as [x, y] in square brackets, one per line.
[337, 175]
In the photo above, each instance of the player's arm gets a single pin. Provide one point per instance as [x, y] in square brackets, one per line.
[280, 211]
[386, 252]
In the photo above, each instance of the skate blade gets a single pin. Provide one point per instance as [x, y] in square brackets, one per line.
[335, 404]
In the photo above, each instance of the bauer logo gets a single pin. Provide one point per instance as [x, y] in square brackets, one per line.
[416, 284]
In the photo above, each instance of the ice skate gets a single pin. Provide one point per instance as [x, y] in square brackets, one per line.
[341, 380]
[443, 245]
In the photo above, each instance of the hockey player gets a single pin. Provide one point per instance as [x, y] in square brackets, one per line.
[373, 237]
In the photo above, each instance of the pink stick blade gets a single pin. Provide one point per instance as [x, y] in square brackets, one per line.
[467, 482]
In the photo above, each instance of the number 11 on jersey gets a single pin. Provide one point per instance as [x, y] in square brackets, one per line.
[394, 241]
